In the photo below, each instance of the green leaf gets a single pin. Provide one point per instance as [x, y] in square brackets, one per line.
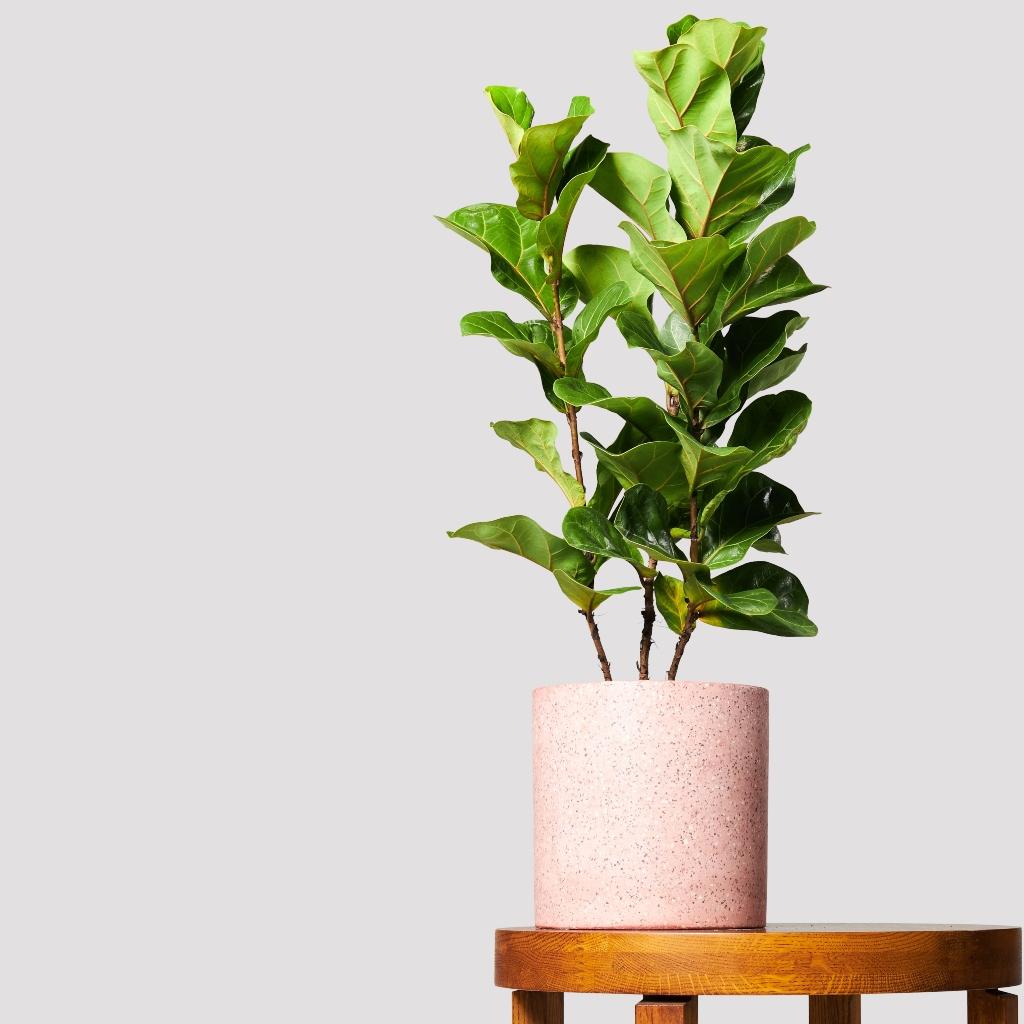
[716, 185]
[532, 340]
[770, 425]
[744, 99]
[522, 536]
[733, 46]
[537, 171]
[588, 323]
[640, 189]
[588, 530]
[747, 349]
[578, 392]
[770, 542]
[777, 371]
[537, 438]
[789, 618]
[706, 465]
[511, 240]
[643, 518]
[671, 601]
[750, 512]
[607, 487]
[767, 275]
[688, 274]
[694, 373]
[555, 226]
[776, 195]
[513, 110]
[580, 106]
[597, 267]
[584, 597]
[680, 27]
[655, 463]
[687, 88]
[640, 412]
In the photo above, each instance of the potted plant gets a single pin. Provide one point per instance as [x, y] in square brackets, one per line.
[650, 798]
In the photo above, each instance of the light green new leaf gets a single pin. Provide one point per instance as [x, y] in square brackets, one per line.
[584, 597]
[747, 349]
[643, 518]
[537, 171]
[640, 189]
[655, 463]
[750, 512]
[777, 193]
[522, 536]
[688, 274]
[670, 598]
[513, 110]
[597, 267]
[789, 617]
[580, 106]
[537, 438]
[578, 392]
[767, 275]
[511, 240]
[687, 88]
[716, 185]
[588, 530]
[589, 321]
[733, 46]
[770, 425]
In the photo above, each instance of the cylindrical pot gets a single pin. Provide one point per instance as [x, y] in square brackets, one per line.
[650, 805]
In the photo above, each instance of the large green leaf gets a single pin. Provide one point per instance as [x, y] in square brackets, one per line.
[532, 340]
[655, 463]
[747, 349]
[733, 46]
[706, 465]
[744, 97]
[511, 240]
[680, 27]
[513, 110]
[670, 598]
[522, 536]
[589, 321]
[537, 171]
[584, 597]
[767, 275]
[777, 194]
[640, 412]
[777, 371]
[538, 439]
[694, 373]
[688, 274]
[750, 511]
[644, 519]
[607, 487]
[687, 88]
[588, 530]
[597, 267]
[555, 226]
[716, 185]
[640, 189]
[789, 617]
[770, 425]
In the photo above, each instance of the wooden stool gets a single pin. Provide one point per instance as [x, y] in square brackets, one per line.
[833, 964]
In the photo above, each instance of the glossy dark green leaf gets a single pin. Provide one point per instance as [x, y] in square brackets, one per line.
[789, 618]
[767, 275]
[537, 171]
[716, 186]
[511, 240]
[748, 348]
[686, 88]
[521, 536]
[597, 267]
[584, 597]
[776, 196]
[688, 274]
[744, 97]
[640, 189]
[643, 519]
[655, 463]
[538, 439]
[607, 487]
[513, 110]
[588, 530]
[755, 507]
[771, 542]
[589, 321]
[777, 371]
[678, 28]
[770, 425]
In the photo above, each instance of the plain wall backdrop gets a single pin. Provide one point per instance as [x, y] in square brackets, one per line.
[264, 730]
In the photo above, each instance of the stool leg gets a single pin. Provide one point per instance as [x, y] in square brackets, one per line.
[538, 1008]
[667, 1010]
[834, 1009]
[990, 1006]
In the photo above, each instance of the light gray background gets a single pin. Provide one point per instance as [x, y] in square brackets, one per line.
[264, 731]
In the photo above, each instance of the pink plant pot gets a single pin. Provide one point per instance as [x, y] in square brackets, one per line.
[650, 805]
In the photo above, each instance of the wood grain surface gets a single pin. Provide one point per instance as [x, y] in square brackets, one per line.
[667, 1010]
[538, 1008]
[988, 1007]
[796, 959]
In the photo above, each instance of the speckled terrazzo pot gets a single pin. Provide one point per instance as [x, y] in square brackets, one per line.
[650, 805]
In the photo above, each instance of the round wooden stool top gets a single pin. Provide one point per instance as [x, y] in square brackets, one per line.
[782, 959]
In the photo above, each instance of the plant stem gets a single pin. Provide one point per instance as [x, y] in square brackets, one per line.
[643, 665]
[684, 638]
[577, 461]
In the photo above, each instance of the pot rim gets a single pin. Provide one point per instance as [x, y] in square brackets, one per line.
[644, 683]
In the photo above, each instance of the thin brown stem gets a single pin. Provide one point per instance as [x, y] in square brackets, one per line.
[595, 635]
[689, 625]
[643, 665]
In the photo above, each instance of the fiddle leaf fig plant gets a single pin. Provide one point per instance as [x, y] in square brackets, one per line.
[679, 494]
